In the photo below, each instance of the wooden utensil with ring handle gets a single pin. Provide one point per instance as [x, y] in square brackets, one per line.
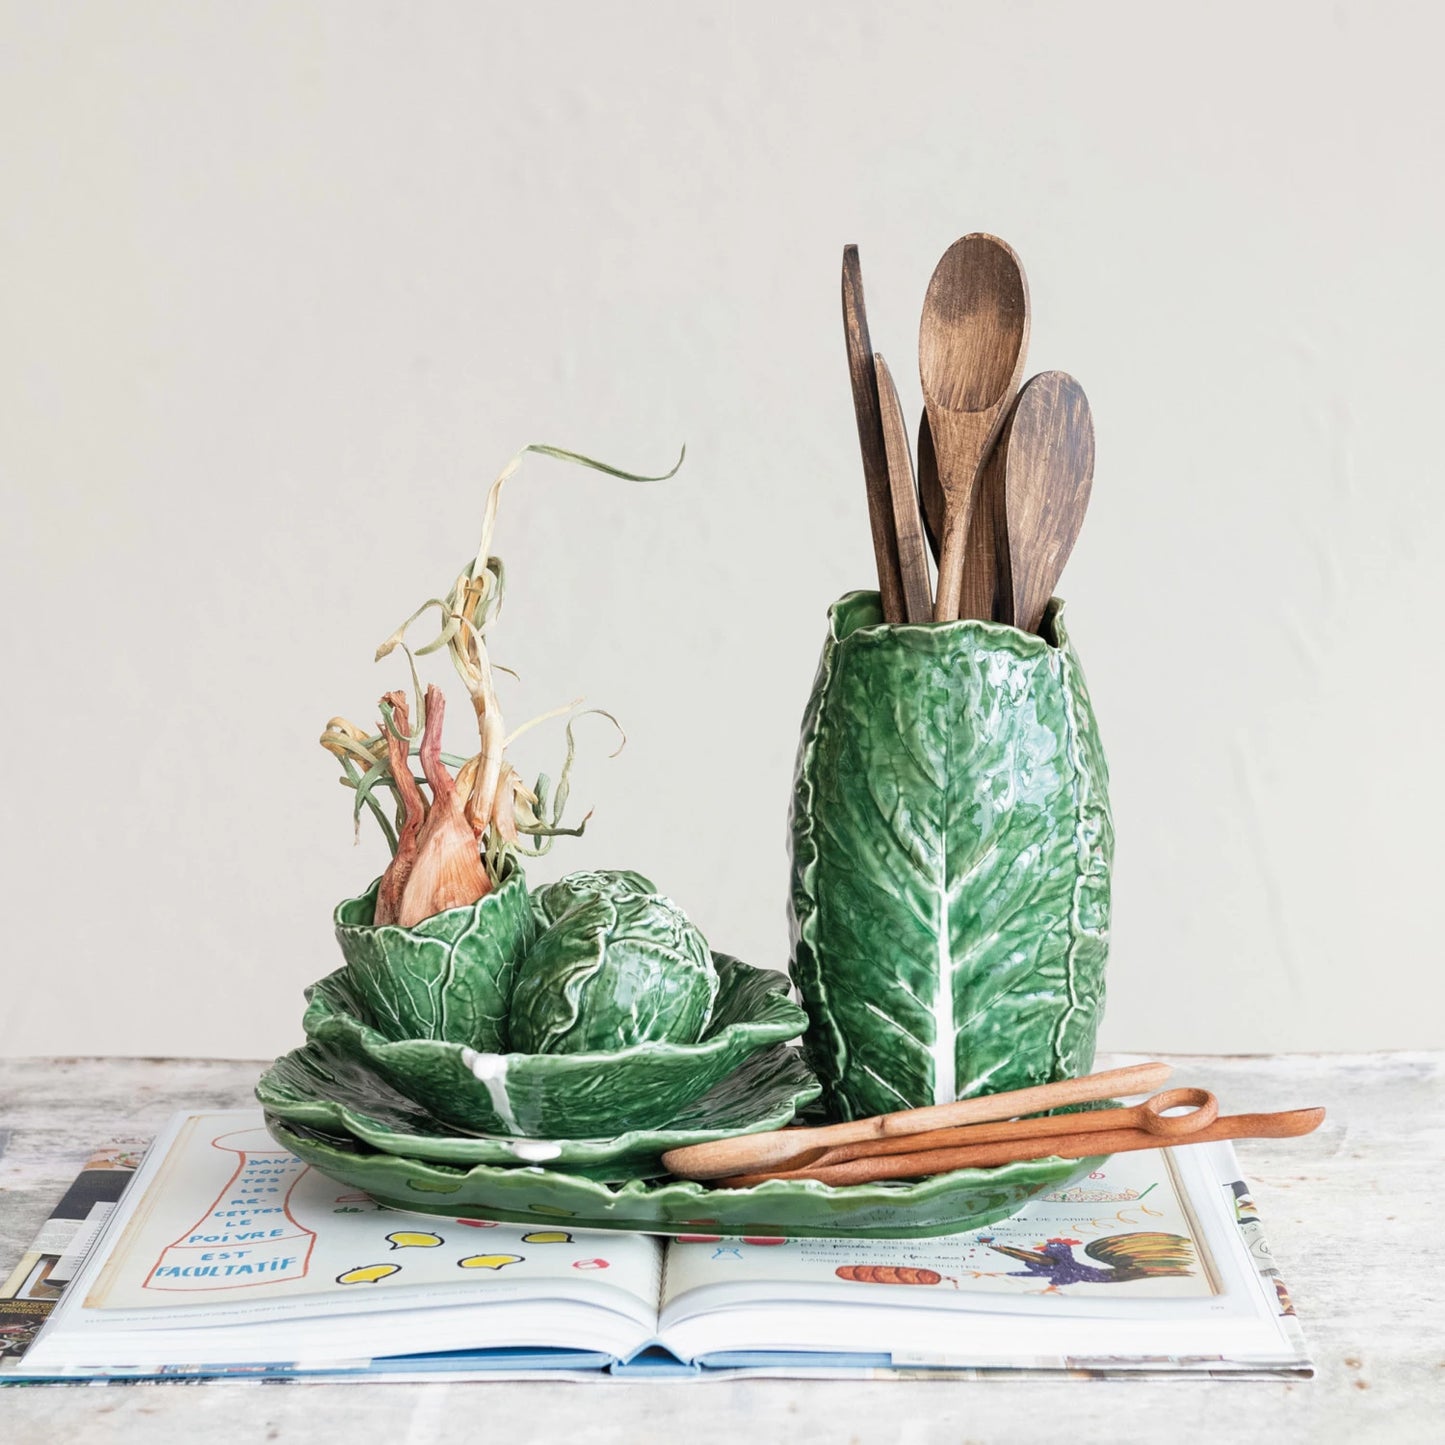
[1202, 1105]
[870, 438]
[907, 519]
[1077, 1145]
[1047, 454]
[971, 345]
[720, 1157]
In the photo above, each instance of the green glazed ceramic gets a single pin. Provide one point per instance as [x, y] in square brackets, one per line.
[448, 977]
[327, 1091]
[943, 1204]
[561, 1096]
[617, 967]
[951, 844]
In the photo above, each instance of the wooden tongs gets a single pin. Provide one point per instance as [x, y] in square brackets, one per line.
[984, 1132]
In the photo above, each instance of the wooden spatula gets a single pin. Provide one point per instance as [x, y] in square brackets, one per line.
[870, 438]
[971, 345]
[1047, 456]
[907, 520]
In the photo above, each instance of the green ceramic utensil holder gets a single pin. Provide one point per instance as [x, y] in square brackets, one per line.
[951, 854]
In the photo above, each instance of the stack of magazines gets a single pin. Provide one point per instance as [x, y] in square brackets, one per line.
[225, 1255]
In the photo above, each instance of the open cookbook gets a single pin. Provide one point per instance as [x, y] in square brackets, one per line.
[227, 1255]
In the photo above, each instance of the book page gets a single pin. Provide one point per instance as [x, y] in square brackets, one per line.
[1123, 1233]
[225, 1225]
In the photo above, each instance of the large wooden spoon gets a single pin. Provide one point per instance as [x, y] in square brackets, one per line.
[870, 438]
[1047, 464]
[971, 346]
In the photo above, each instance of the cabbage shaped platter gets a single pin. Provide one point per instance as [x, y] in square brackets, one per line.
[596, 1095]
[320, 1088]
[796, 1208]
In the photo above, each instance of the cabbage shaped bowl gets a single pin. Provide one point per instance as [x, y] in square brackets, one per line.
[448, 977]
[328, 1093]
[550, 1096]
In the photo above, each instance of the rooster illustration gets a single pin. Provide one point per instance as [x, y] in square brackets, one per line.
[1124, 1257]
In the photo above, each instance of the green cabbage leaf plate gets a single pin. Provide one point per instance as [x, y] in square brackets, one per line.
[794, 1208]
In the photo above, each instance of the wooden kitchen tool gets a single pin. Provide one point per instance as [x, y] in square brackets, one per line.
[1078, 1144]
[751, 1152]
[870, 438]
[979, 594]
[971, 345]
[1046, 467]
[907, 519]
[930, 494]
[1202, 1105]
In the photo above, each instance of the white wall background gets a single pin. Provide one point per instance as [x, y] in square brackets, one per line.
[283, 285]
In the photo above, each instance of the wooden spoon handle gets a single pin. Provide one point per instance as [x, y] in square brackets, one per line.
[868, 1170]
[720, 1157]
[978, 595]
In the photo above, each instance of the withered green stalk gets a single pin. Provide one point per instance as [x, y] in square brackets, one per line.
[458, 843]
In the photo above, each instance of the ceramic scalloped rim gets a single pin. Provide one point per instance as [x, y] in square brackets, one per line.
[588, 1095]
[942, 1204]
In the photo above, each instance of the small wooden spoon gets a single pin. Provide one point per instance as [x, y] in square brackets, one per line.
[870, 438]
[971, 346]
[907, 520]
[720, 1157]
[1047, 449]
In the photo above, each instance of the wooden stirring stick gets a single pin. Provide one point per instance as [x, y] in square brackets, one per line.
[753, 1152]
[907, 520]
[1077, 1145]
[870, 438]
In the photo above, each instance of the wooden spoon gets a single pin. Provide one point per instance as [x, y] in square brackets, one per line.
[870, 438]
[1047, 451]
[721, 1157]
[971, 346]
[869, 1170]
[907, 520]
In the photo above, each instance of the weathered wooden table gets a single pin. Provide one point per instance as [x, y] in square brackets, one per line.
[1350, 1211]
